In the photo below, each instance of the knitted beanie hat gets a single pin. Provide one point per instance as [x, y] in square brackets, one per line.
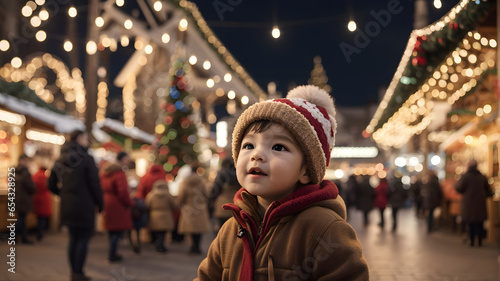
[308, 114]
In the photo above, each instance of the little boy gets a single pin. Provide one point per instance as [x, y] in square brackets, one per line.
[288, 223]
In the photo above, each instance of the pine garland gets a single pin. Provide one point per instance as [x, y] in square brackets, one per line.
[430, 51]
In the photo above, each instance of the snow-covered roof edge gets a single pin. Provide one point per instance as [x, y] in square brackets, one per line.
[120, 128]
[63, 124]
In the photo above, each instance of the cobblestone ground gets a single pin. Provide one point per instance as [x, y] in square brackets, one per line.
[409, 254]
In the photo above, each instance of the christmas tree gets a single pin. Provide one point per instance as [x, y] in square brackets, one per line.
[176, 143]
[318, 76]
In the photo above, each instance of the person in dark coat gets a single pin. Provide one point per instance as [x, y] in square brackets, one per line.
[475, 189]
[81, 195]
[397, 196]
[139, 221]
[42, 201]
[381, 199]
[24, 190]
[415, 189]
[351, 189]
[365, 195]
[432, 195]
[117, 203]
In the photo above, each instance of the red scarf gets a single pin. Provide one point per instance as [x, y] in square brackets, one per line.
[294, 203]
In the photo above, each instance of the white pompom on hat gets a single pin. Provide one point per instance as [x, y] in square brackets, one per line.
[308, 113]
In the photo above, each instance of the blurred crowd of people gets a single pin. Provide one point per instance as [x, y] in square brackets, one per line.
[462, 203]
[84, 190]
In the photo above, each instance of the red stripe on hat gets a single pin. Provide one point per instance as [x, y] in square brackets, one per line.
[314, 123]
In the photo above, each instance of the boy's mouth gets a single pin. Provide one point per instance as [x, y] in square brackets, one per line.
[257, 171]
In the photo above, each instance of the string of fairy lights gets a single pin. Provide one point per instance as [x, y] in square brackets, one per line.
[464, 65]
[38, 16]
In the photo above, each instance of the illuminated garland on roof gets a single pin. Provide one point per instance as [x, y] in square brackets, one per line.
[192, 11]
[459, 74]
[424, 51]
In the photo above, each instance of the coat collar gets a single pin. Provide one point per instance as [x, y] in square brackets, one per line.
[253, 227]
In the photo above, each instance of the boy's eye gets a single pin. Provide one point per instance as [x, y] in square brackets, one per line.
[247, 146]
[279, 147]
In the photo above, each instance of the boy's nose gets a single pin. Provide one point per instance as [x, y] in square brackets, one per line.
[257, 156]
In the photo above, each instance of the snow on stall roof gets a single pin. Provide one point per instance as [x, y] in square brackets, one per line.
[63, 124]
[119, 127]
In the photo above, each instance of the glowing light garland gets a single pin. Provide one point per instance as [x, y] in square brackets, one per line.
[415, 113]
[69, 82]
[389, 102]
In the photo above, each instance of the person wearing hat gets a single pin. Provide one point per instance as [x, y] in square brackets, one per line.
[288, 223]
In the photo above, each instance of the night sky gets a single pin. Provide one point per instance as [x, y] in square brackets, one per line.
[318, 27]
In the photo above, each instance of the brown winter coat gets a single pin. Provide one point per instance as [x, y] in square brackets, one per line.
[193, 200]
[310, 240]
[161, 206]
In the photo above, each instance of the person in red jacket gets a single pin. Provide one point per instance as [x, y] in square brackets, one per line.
[154, 173]
[381, 199]
[42, 201]
[117, 202]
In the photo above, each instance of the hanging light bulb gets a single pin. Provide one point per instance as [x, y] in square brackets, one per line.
[183, 25]
[165, 38]
[120, 3]
[157, 6]
[16, 62]
[276, 32]
[193, 60]
[207, 65]
[438, 4]
[352, 26]
[91, 47]
[43, 15]
[68, 46]
[4, 45]
[72, 12]
[40, 35]
[99, 22]
[128, 24]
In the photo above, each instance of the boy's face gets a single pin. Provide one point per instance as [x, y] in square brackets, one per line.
[270, 163]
